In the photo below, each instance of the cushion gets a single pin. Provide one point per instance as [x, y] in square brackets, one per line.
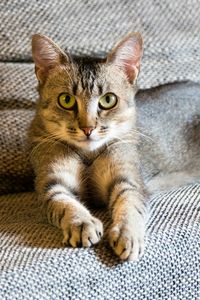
[15, 170]
[34, 265]
[172, 48]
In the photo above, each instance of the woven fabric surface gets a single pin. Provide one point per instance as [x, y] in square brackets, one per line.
[15, 170]
[171, 31]
[34, 265]
[17, 85]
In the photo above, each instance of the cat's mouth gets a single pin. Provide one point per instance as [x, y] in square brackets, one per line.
[90, 143]
[87, 140]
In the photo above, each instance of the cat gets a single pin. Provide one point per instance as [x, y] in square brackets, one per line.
[84, 143]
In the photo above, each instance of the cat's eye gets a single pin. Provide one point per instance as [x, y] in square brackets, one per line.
[66, 101]
[108, 101]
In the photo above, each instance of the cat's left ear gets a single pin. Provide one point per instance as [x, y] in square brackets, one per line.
[127, 55]
[46, 55]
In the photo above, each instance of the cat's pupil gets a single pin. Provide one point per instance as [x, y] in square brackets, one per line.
[107, 99]
[67, 99]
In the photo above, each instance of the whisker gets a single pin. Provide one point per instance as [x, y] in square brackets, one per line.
[121, 141]
[141, 134]
[52, 139]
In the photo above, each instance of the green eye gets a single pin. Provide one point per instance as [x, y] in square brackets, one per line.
[66, 101]
[108, 101]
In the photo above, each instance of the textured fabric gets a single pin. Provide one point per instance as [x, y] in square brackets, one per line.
[34, 265]
[17, 85]
[15, 170]
[169, 122]
[171, 31]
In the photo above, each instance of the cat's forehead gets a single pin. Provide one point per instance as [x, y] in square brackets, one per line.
[89, 74]
[94, 76]
[86, 78]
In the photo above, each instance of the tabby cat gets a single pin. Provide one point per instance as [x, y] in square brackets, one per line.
[84, 144]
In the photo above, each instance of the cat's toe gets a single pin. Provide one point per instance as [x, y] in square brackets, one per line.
[92, 233]
[121, 242]
[83, 233]
[137, 250]
[75, 235]
[126, 243]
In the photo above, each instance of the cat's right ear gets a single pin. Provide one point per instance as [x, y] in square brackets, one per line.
[46, 55]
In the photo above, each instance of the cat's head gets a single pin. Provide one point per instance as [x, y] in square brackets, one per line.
[83, 101]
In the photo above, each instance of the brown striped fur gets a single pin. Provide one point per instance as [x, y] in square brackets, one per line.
[69, 165]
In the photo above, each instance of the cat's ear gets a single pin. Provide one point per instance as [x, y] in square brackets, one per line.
[127, 55]
[46, 55]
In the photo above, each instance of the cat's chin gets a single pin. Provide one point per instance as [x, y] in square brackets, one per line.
[90, 145]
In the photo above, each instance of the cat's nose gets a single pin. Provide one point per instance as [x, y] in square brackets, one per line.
[87, 130]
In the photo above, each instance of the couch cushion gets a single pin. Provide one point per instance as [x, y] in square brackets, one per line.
[18, 85]
[15, 170]
[172, 48]
[34, 265]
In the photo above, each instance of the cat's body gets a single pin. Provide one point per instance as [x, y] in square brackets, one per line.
[84, 144]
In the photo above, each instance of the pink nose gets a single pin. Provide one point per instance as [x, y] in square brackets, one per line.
[87, 130]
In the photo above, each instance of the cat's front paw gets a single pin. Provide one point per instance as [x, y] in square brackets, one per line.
[83, 230]
[127, 240]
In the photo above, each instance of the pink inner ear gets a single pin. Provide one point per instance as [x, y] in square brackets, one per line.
[127, 56]
[131, 69]
[46, 55]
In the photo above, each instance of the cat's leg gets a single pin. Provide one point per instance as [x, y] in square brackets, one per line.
[118, 181]
[59, 190]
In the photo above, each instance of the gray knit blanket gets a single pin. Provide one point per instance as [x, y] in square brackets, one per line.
[171, 31]
[34, 265]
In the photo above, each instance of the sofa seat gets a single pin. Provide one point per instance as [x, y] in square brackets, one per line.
[34, 265]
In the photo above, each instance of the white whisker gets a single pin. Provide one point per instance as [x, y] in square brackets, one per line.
[52, 139]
